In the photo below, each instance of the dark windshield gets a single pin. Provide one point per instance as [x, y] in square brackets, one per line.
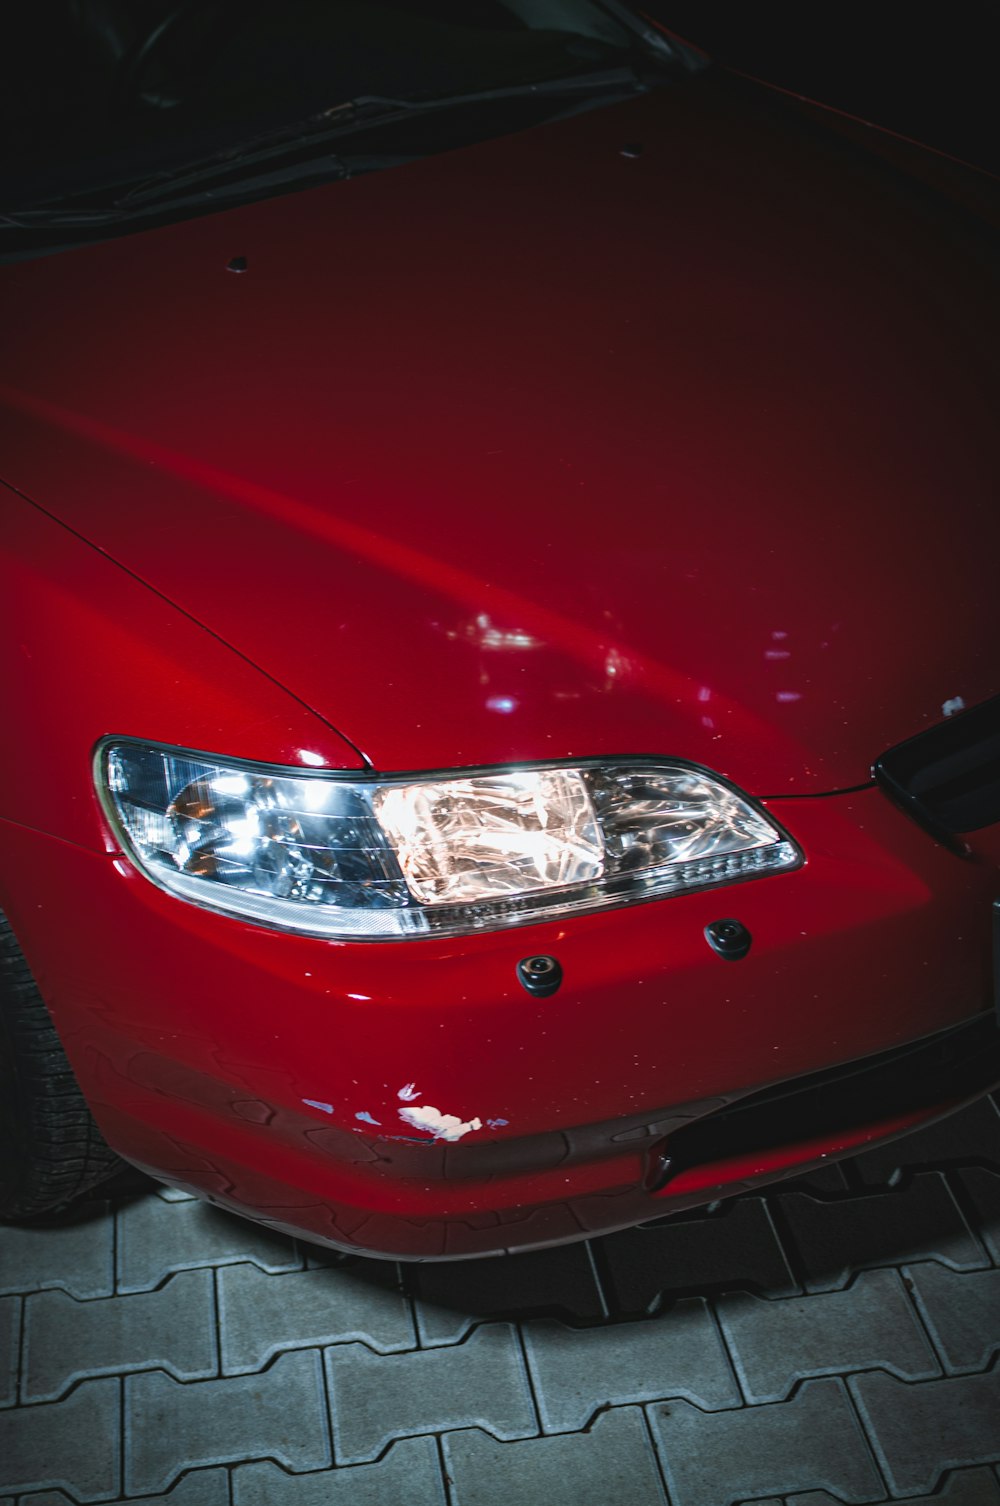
[98, 92]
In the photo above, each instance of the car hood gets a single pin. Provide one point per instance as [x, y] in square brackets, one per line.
[662, 429]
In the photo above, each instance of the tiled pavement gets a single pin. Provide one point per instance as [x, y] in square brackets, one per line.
[835, 1341]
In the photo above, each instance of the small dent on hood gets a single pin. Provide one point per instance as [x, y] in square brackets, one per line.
[237, 264]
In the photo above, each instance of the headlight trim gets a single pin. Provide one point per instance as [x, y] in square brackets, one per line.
[405, 918]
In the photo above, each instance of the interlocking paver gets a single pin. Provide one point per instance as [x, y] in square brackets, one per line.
[918, 1221]
[775, 1343]
[71, 1444]
[374, 1398]
[202, 1487]
[611, 1463]
[575, 1371]
[173, 1194]
[173, 1328]
[170, 1426]
[813, 1440]
[156, 1238]
[550, 1283]
[10, 1338]
[971, 1136]
[266, 1421]
[260, 1315]
[737, 1247]
[982, 1187]
[410, 1472]
[962, 1312]
[77, 1256]
[921, 1431]
[967, 1487]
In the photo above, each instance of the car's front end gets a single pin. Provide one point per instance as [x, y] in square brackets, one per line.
[502, 653]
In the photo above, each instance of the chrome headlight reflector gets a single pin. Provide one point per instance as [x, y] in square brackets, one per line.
[380, 859]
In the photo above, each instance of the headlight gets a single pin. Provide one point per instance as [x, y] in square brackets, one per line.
[377, 859]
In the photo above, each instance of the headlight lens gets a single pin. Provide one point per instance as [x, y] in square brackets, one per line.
[382, 859]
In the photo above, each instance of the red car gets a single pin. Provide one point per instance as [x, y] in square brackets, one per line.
[501, 653]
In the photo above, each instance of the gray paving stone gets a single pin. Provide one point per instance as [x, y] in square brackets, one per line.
[76, 1256]
[982, 1187]
[610, 1465]
[172, 1329]
[737, 1247]
[962, 1312]
[156, 1238]
[452, 1298]
[812, 1441]
[277, 1414]
[202, 1487]
[576, 1371]
[410, 1473]
[918, 1221]
[173, 1194]
[374, 1398]
[921, 1432]
[70, 1445]
[10, 1337]
[260, 1315]
[778, 1342]
[967, 1487]
[969, 1137]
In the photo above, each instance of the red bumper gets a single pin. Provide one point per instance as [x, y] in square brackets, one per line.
[268, 1071]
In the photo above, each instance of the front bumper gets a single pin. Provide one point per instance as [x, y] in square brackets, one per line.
[266, 1070]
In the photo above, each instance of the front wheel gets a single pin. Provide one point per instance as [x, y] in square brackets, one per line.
[50, 1148]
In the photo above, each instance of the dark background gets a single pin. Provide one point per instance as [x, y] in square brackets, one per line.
[882, 61]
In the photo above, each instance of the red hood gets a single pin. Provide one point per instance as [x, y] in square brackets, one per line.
[537, 450]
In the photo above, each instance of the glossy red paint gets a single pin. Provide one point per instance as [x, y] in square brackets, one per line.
[546, 441]
[93, 651]
[249, 1065]
[527, 451]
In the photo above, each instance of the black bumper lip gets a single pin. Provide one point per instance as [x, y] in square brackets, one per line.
[932, 1075]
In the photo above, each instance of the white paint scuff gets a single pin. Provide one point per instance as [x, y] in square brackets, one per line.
[408, 1093]
[441, 1126]
[317, 1103]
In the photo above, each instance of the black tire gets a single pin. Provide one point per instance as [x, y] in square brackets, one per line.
[50, 1148]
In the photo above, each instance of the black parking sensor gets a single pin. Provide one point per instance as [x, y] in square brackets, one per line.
[541, 976]
[729, 939]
